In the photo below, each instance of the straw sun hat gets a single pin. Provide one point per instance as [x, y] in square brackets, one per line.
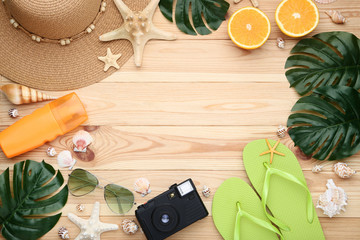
[66, 56]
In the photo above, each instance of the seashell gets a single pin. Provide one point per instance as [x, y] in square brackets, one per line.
[51, 152]
[80, 208]
[66, 160]
[325, 1]
[129, 226]
[281, 131]
[19, 94]
[333, 200]
[255, 3]
[81, 140]
[237, 1]
[142, 186]
[336, 16]
[206, 191]
[14, 113]
[280, 42]
[342, 170]
[317, 169]
[63, 233]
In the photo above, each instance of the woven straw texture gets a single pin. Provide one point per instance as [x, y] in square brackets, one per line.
[49, 66]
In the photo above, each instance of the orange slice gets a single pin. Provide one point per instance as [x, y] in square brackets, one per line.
[296, 18]
[249, 28]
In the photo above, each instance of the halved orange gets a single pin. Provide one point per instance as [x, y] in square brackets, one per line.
[296, 18]
[249, 28]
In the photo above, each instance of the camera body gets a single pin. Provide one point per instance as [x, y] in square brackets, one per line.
[171, 211]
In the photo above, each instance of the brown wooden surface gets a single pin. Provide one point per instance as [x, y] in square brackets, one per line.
[189, 112]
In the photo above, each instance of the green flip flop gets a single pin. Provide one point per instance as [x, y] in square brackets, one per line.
[276, 175]
[238, 215]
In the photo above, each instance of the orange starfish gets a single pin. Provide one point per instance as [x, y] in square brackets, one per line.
[272, 150]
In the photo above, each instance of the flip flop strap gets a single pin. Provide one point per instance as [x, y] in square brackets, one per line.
[255, 220]
[292, 178]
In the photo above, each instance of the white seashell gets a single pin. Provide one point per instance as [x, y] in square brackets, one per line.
[103, 4]
[12, 21]
[66, 160]
[62, 42]
[317, 169]
[33, 37]
[281, 131]
[333, 200]
[325, 1]
[14, 113]
[280, 42]
[63, 233]
[92, 26]
[129, 226]
[82, 139]
[206, 191]
[336, 16]
[80, 208]
[67, 41]
[142, 186]
[38, 39]
[103, 9]
[342, 170]
[51, 152]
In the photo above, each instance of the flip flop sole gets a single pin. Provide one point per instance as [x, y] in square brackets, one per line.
[286, 200]
[224, 211]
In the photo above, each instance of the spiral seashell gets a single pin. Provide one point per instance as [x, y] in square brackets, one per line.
[280, 42]
[336, 16]
[342, 170]
[82, 139]
[129, 226]
[51, 152]
[281, 131]
[63, 233]
[65, 160]
[142, 186]
[19, 94]
[206, 191]
[14, 113]
[80, 208]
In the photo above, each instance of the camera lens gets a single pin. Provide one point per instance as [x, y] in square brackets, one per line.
[165, 218]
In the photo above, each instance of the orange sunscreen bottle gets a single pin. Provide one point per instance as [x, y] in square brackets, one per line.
[43, 125]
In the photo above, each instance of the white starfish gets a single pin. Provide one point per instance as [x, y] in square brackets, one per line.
[110, 60]
[138, 28]
[92, 228]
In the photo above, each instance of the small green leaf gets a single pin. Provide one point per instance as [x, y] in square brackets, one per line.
[326, 59]
[213, 11]
[326, 124]
[21, 215]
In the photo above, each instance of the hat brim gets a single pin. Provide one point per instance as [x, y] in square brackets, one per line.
[49, 66]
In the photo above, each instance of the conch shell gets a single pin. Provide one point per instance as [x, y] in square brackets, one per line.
[333, 200]
[336, 16]
[19, 94]
[342, 170]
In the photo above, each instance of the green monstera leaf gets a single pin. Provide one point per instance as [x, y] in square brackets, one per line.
[326, 124]
[326, 59]
[213, 12]
[32, 195]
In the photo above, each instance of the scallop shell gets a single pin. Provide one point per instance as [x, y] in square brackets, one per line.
[66, 160]
[51, 152]
[82, 139]
[14, 113]
[80, 208]
[336, 16]
[317, 169]
[325, 1]
[63, 233]
[129, 226]
[281, 131]
[333, 200]
[342, 170]
[206, 191]
[142, 186]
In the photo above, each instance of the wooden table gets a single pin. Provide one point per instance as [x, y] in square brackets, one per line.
[188, 112]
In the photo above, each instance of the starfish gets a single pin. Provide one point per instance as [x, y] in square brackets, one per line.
[138, 28]
[91, 228]
[272, 150]
[110, 60]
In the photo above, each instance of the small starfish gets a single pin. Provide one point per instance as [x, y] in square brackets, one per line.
[91, 228]
[110, 60]
[138, 28]
[272, 150]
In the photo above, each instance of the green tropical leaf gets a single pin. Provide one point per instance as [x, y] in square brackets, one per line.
[32, 195]
[326, 59]
[213, 12]
[326, 124]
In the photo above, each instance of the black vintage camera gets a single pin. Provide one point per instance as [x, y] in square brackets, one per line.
[171, 211]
